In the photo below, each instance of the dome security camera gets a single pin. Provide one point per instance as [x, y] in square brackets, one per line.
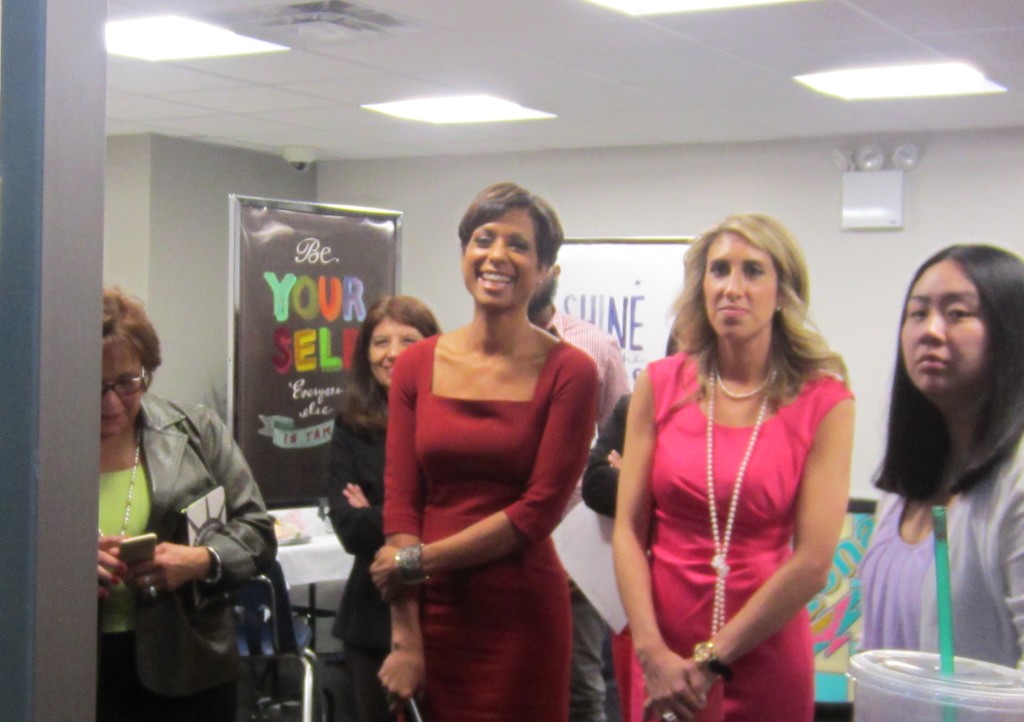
[299, 157]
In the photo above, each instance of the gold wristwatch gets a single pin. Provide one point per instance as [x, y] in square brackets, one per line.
[706, 657]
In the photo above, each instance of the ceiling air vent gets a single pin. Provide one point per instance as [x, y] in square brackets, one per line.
[313, 23]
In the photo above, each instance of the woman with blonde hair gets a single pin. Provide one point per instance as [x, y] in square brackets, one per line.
[733, 487]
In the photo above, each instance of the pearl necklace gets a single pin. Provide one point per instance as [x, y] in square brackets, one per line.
[747, 394]
[718, 561]
[131, 488]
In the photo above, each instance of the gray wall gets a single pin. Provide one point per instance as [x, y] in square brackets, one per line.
[966, 188]
[166, 241]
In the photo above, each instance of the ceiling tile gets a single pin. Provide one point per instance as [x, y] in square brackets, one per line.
[140, 107]
[935, 16]
[140, 76]
[246, 99]
[612, 80]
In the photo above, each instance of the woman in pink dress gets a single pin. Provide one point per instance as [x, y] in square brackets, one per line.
[483, 450]
[733, 487]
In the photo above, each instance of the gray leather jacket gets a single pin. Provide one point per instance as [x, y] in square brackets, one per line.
[183, 647]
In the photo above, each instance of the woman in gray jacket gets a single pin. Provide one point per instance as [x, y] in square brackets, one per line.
[955, 425]
[167, 641]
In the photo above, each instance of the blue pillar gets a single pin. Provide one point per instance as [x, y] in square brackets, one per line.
[52, 88]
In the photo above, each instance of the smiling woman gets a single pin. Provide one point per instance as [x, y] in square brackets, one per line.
[483, 451]
[356, 488]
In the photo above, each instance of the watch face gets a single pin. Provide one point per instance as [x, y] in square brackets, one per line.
[703, 653]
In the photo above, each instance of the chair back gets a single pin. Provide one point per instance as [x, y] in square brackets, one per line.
[292, 633]
[255, 623]
[264, 622]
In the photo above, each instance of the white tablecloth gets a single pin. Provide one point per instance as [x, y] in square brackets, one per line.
[321, 559]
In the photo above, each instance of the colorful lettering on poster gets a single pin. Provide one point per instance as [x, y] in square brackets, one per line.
[835, 611]
[302, 300]
[619, 316]
[310, 349]
[327, 296]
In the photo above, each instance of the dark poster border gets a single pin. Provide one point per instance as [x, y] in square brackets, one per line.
[302, 277]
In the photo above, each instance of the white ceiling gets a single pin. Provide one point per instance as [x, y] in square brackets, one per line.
[612, 80]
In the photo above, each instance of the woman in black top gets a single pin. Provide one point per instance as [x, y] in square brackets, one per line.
[356, 487]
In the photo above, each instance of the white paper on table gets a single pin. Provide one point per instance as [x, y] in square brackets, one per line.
[584, 543]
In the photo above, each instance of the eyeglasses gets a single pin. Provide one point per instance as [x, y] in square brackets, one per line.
[125, 386]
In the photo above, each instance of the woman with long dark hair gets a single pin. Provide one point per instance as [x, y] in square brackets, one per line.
[956, 420]
[356, 489]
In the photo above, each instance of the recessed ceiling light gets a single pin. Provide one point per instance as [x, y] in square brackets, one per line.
[901, 81]
[458, 109]
[664, 7]
[175, 38]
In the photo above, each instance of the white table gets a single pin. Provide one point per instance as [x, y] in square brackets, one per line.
[317, 566]
[321, 559]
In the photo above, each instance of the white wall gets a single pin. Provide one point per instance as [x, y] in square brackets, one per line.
[126, 214]
[166, 240]
[966, 188]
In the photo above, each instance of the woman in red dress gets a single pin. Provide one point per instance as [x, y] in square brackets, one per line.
[485, 444]
[733, 487]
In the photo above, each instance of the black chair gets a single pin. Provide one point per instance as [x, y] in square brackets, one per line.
[268, 633]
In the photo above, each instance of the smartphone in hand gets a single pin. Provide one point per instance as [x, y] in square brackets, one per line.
[137, 549]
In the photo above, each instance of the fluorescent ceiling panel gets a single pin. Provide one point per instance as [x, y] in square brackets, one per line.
[175, 38]
[901, 81]
[458, 109]
[664, 7]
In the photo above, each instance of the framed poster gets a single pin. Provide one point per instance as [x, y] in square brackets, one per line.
[303, 275]
[625, 286]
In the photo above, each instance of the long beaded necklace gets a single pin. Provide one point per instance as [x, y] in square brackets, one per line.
[131, 488]
[718, 561]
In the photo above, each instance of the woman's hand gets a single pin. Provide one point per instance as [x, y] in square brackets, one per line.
[402, 676]
[675, 686]
[109, 568]
[615, 459]
[172, 566]
[355, 497]
[384, 571]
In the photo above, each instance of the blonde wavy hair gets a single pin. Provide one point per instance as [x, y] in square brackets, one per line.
[799, 353]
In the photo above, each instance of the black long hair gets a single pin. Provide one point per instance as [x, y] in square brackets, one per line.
[918, 442]
[364, 408]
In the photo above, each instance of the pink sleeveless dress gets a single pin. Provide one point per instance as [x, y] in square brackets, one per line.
[775, 680]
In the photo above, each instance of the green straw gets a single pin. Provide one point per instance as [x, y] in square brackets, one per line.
[945, 602]
[943, 595]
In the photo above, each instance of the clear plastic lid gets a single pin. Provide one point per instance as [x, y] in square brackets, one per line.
[917, 674]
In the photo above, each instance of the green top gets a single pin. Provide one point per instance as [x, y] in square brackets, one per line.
[117, 612]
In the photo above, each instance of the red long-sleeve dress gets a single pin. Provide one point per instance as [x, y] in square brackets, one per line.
[497, 637]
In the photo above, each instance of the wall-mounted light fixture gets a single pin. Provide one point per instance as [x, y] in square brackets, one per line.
[873, 194]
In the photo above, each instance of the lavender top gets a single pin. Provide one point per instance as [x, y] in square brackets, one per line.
[892, 574]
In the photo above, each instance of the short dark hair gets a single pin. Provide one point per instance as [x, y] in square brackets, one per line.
[125, 321]
[365, 405]
[918, 443]
[496, 200]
